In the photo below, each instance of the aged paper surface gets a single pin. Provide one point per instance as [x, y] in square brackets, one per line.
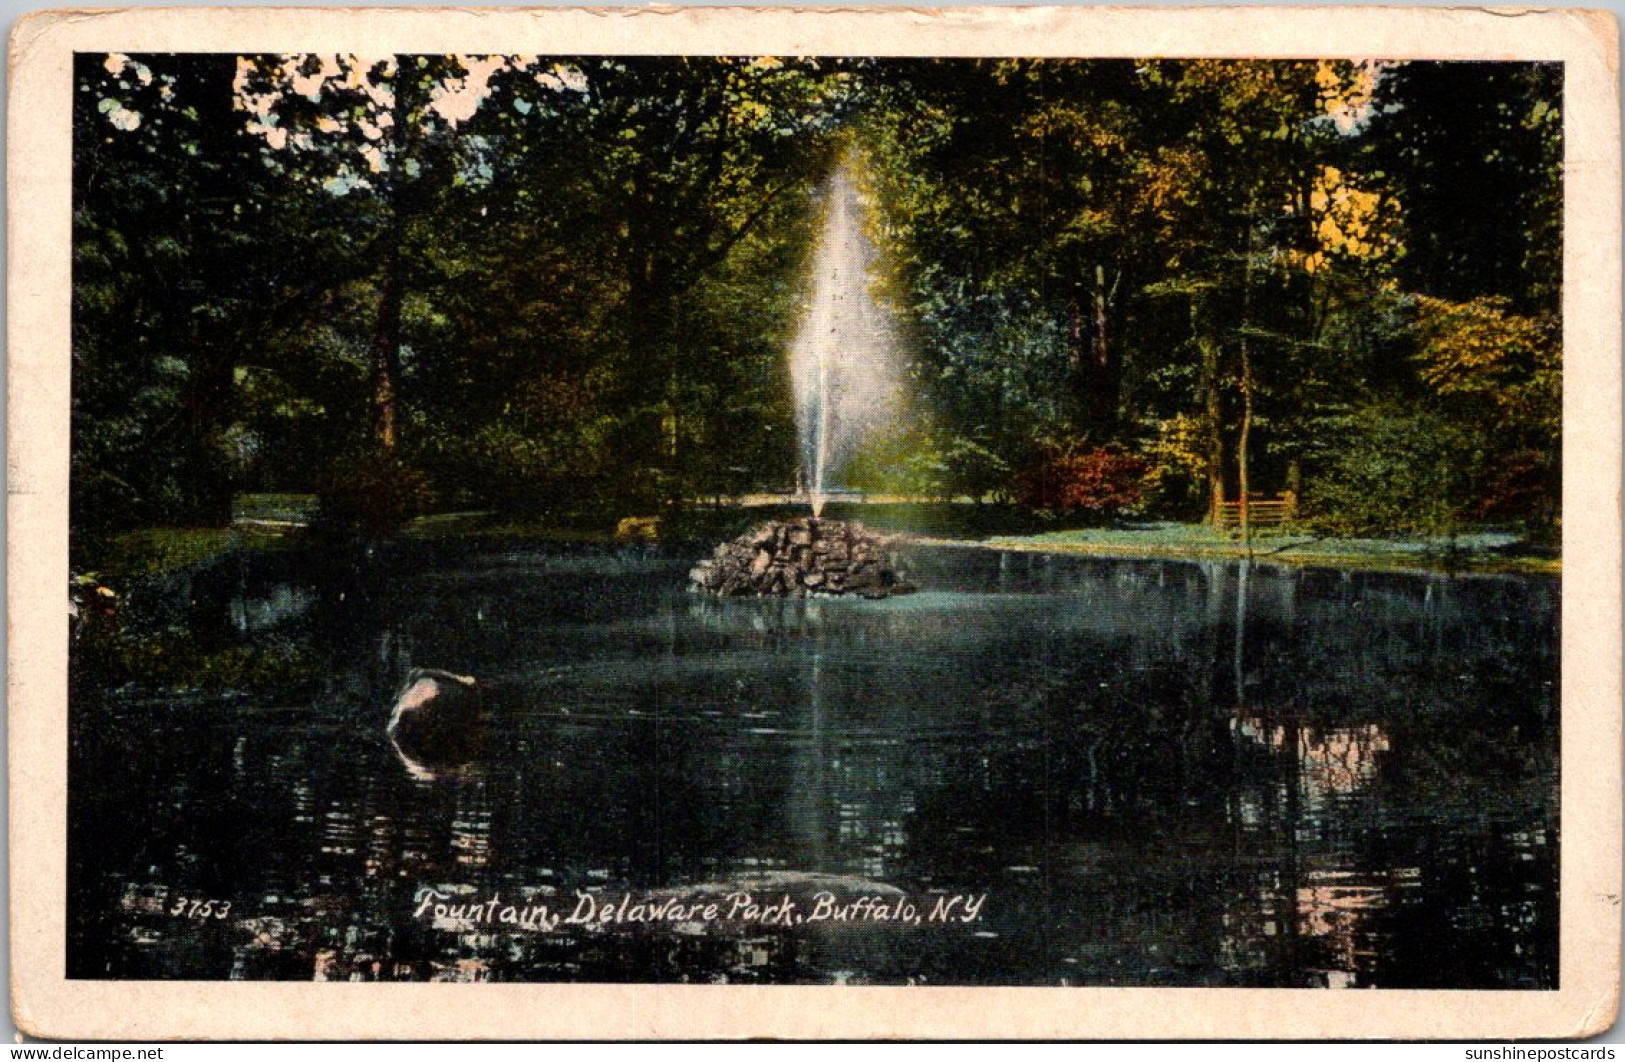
[48, 1003]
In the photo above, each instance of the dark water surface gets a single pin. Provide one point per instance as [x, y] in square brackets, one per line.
[1147, 773]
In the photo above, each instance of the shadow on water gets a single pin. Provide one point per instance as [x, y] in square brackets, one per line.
[1154, 772]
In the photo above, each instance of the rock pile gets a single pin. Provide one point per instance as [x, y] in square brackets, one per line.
[801, 558]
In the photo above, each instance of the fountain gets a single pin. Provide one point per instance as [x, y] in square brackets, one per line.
[843, 362]
[843, 366]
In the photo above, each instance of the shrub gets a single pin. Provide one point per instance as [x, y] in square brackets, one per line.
[904, 461]
[917, 461]
[1393, 471]
[1176, 479]
[373, 492]
[975, 469]
[1103, 482]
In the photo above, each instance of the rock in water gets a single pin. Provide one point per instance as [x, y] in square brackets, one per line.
[810, 557]
[437, 724]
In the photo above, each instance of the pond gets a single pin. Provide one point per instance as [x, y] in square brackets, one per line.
[1040, 770]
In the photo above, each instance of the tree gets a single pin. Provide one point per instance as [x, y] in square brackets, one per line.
[1005, 187]
[1500, 374]
[183, 274]
[362, 129]
[1396, 471]
[1474, 150]
[535, 280]
[689, 162]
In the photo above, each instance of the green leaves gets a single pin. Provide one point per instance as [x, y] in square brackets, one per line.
[596, 263]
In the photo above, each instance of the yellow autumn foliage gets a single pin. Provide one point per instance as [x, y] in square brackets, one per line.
[1347, 90]
[1179, 452]
[1348, 222]
[1481, 352]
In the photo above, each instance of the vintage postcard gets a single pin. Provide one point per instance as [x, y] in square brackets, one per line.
[1007, 522]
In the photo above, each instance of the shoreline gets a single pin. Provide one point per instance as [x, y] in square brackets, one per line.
[155, 550]
[1298, 555]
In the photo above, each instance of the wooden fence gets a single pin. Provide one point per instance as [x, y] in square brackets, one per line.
[1261, 512]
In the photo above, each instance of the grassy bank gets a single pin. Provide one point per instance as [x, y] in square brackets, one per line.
[1479, 551]
[996, 527]
[159, 550]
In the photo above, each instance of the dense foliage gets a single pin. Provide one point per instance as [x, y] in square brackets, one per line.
[554, 285]
[1098, 483]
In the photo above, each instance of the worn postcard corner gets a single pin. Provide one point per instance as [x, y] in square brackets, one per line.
[870, 524]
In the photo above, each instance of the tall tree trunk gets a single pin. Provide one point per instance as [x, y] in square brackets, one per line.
[679, 484]
[205, 402]
[674, 436]
[1103, 359]
[385, 361]
[1095, 383]
[385, 355]
[1105, 376]
[1082, 377]
[1243, 441]
[651, 436]
[1212, 430]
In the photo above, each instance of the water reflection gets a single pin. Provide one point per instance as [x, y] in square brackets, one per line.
[1156, 773]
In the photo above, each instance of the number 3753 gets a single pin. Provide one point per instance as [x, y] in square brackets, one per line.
[185, 908]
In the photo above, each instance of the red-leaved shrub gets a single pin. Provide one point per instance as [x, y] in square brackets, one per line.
[1104, 482]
